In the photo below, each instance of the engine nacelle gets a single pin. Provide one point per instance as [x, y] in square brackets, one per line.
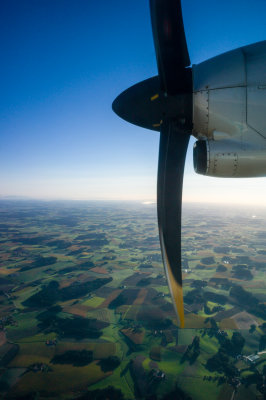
[229, 113]
[228, 159]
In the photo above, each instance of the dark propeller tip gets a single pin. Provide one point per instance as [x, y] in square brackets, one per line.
[170, 44]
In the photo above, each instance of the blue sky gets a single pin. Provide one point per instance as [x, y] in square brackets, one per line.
[62, 64]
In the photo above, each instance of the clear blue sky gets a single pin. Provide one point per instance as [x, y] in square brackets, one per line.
[62, 64]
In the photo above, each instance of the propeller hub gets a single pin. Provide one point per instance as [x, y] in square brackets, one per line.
[146, 105]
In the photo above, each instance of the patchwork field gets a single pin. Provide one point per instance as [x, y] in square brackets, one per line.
[85, 306]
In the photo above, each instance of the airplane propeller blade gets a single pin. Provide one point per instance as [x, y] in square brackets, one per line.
[165, 103]
[170, 45]
[172, 154]
[175, 79]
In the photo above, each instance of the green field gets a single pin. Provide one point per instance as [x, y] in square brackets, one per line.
[84, 280]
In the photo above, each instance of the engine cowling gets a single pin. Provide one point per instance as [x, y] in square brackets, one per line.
[228, 159]
[229, 113]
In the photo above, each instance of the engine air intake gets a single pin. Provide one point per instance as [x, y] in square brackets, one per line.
[200, 157]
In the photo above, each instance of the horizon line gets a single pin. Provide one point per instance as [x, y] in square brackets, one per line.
[147, 202]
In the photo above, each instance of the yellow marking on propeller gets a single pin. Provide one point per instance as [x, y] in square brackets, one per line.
[177, 295]
[175, 288]
[154, 97]
[157, 125]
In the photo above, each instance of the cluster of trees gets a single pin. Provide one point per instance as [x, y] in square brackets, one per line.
[109, 363]
[234, 346]
[143, 266]
[118, 301]
[144, 282]
[258, 379]
[221, 361]
[40, 262]
[76, 252]
[51, 293]
[7, 356]
[49, 314]
[207, 260]
[59, 243]
[193, 350]
[199, 296]
[194, 296]
[75, 327]
[215, 297]
[199, 284]
[214, 327]
[212, 310]
[248, 301]
[222, 249]
[200, 266]
[46, 297]
[262, 343]
[221, 268]
[223, 282]
[252, 328]
[84, 266]
[243, 296]
[92, 239]
[74, 357]
[79, 290]
[241, 271]
[243, 259]
[31, 241]
[263, 327]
